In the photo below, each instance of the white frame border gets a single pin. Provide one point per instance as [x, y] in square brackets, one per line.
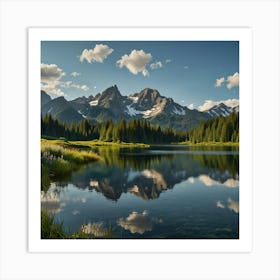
[243, 35]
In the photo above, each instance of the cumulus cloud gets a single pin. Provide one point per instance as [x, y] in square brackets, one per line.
[156, 65]
[186, 67]
[210, 103]
[136, 223]
[51, 88]
[75, 74]
[97, 54]
[70, 84]
[85, 87]
[51, 73]
[135, 62]
[233, 81]
[219, 82]
[168, 61]
[50, 78]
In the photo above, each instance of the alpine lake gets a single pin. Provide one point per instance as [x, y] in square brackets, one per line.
[160, 192]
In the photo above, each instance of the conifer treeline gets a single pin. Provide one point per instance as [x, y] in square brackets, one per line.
[135, 130]
[81, 131]
[221, 129]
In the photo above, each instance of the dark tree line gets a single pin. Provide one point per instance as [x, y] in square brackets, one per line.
[136, 131]
[75, 131]
[221, 129]
[123, 131]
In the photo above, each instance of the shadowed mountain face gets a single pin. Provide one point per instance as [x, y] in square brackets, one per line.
[110, 104]
[45, 98]
[62, 110]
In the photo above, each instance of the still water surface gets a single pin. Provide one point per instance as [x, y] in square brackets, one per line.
[159, 192]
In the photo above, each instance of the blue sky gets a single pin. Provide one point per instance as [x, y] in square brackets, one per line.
[190, 72]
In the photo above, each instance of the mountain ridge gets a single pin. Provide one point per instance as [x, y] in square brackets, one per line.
[111, 104]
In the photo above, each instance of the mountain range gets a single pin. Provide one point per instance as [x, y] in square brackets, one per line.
[146, 104]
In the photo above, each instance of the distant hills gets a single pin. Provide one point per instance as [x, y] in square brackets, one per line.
[146, 104]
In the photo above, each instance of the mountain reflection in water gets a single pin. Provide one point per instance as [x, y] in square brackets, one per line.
[127, 173]
[184, 194]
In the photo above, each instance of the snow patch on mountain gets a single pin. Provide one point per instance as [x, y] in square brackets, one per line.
[179, 111]
[93, 103]
[146, 114]
[133, 98]
[131, 111]
[81, 113]
[208, 104]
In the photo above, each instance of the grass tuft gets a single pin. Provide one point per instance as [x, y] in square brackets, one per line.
[51, 229]
[58, 161]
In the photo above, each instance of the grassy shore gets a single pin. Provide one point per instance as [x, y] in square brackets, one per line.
[232, 144]
[60, 157]
[52, 229]
[91, 144]
[58, 160]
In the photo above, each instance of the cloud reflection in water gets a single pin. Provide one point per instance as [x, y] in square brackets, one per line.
[97, 229]
[208, 181]
[50, 202]
[231, 205]
[136, 223]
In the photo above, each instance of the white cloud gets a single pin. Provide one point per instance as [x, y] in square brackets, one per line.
[51, 88]
[135, 62]
[97, 54]
[156, 65]
[210, 103]
[219, 82]
[233, 81]
[145, 73]
[50, 78]
[186, 67]
[70, 84]
[85, 87]
[168, 61]
[136, 223]
[191, 106]
[51, 73]
[75, 74]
